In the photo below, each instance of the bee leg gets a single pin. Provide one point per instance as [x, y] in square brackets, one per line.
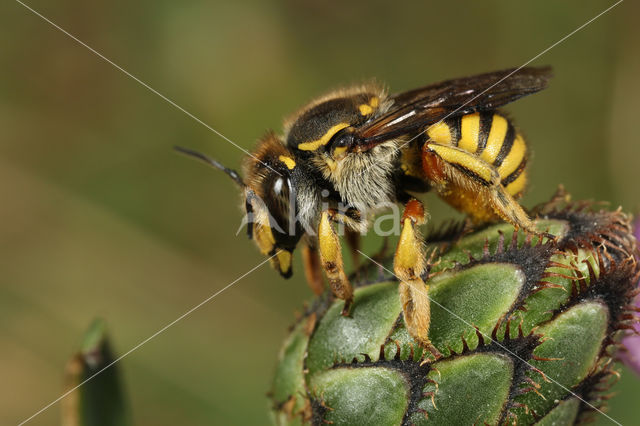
[351, 219]
[509, 209]
[473, 186]
[409, 264]
[331, 256]
[353, 241]
[312, 268]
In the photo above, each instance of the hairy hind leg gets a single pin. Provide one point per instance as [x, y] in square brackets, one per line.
[409, 264]
[473, 186]
[312, 268]
[331, 257]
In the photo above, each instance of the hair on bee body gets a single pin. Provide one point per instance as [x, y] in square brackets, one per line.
[348, 153]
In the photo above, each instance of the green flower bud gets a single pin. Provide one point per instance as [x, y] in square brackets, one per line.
[527, 329]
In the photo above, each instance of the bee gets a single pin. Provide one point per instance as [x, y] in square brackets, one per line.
[346, 154]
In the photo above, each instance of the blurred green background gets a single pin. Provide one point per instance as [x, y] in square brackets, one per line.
[100, 217]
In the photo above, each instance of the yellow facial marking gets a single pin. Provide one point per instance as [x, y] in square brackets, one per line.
[498, 131]
[514, 158]
[470, 128]
[374, 102]
[313, 145]
[440, 133]
[365, 109]
[264, 238]
[288, 161]
[284, 260]
[464, 159]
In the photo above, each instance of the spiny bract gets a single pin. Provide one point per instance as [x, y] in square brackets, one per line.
[526, 331]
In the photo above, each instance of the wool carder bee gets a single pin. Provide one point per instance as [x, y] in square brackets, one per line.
[347, 154]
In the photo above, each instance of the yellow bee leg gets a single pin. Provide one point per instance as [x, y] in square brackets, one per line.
[509, 209]
[409, 264]
[331, 256]
[312, 269]
[473, 186]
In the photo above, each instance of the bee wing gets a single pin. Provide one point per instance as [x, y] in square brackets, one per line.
[416, 109]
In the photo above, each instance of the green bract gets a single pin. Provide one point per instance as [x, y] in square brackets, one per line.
[97, 396]
[526, 329]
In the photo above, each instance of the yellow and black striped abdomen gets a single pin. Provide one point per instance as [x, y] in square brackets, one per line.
[491, 138]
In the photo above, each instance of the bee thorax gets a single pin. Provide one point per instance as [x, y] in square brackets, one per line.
[364, 179]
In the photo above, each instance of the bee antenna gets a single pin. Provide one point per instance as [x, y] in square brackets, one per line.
[213, 163]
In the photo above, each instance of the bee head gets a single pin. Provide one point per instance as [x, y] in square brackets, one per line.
[270, 201]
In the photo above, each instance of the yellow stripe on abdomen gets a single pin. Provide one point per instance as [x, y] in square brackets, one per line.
[499, 127]
[516, 187]
[514, 157]
[440, 133]
[469, 132]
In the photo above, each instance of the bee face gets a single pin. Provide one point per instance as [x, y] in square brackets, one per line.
[270, 201]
